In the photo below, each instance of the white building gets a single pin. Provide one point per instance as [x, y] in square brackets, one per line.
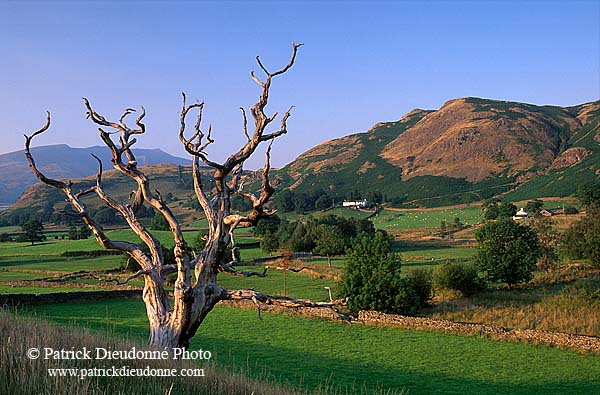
[521, 214]
[355, 204]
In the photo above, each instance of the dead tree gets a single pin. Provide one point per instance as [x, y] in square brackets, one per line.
[174, 322]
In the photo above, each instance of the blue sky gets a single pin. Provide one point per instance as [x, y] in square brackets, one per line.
[362, 63]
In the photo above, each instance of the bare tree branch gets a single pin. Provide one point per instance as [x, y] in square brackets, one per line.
[245, 123]
[228, 269]
[195, 149]
[133, 276]
[249, 294]
[80, 209]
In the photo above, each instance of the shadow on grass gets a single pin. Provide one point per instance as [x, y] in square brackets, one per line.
[37, 244]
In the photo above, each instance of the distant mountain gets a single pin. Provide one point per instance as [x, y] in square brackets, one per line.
[62, 161]
[469, 149]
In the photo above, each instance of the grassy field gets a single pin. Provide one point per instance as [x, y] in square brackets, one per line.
[58, 246]
[306, 353]
[6, 289]
[430, 218]
[9, 229]
[56, 263]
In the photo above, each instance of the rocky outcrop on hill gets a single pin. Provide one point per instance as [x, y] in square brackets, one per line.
[570, 157]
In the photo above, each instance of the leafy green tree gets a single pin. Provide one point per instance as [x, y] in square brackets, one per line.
[489, 208]
[84, 232]
[301, 238]
[455, 226]
[269, 224]
[239, 203]
[443, 229]
[198, 242]
[582, 239]
[372, 278]
[421, 281]
[269, 242]
[323, 202]
[508, 252]
[589, 194]
[159, 223]
[302, 203]
[506, 210]
[329, 241]
[534, 207]
[496, 209]
[549, 239]
[374, 197]
[284, 200]
[354, 195]
[33, 231]
[73, 233]
[491, 212]
[458, 225]
[458, 276]
[106, 215]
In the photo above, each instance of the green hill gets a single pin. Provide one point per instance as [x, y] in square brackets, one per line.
[467, 150]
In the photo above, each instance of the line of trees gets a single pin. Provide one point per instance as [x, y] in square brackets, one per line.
[319, 199]
[328, 236]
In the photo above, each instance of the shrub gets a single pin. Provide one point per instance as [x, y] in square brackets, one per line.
[459, 276]
[582, 239]
[570, 210]
[372, 278]
[421, 281]
[586, 290]
[548, 237]
[159, 223]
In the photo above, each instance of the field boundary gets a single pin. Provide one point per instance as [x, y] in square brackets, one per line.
[581, 343]
[66, 297]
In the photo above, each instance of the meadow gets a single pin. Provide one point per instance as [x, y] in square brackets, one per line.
[311, 354]
[307, 353]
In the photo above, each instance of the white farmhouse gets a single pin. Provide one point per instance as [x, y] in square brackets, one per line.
[355, 204]
[521, 214]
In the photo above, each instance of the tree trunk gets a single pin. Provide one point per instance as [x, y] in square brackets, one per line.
[166, 338]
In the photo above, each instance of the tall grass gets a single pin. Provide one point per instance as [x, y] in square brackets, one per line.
[21, 375]
[561, 304]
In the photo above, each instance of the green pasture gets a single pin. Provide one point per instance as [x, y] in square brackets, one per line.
[341, 211]
[308, 353]
[406, 219]
[14, 275]
[7, 289]
[57, 263]
[9, 229]
[410, 252]
[298, 285]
